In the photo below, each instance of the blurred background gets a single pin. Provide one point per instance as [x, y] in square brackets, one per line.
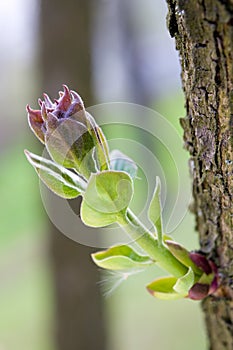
[51, 295]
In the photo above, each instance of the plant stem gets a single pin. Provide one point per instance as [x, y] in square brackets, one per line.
[159, 253]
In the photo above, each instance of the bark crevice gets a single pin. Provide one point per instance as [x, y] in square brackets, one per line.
[203, 32]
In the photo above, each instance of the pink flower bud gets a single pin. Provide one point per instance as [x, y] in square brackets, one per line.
[36, 122]
[69, 132]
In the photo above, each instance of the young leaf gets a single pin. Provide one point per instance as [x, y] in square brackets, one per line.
[93, 218]
[120, 257]
[101, 145]
[154, 212]
[163, 288]
[202, 262]
[167, 238]
[119, 161]
[199, 291]
[70, 144]
[206, 279]
[107, 198]
[182, 255]
[61, 181]
[184, 283]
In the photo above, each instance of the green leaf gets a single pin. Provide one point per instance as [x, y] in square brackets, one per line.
[163, 288]
[101, 152]
[70, 144]
[61, 181]
[107, 198]
[154, 212]
[167, 238]
[184, 283]
[94, 218]
[120, 257]
[182, 254]
[101, 145]
[206, 279]
[119, 161]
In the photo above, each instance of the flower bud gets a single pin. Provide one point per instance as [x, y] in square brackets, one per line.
[71, 135]
[208, 282]
[36, 122]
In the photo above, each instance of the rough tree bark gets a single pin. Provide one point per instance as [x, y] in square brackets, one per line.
[203, 30]
[66, 58]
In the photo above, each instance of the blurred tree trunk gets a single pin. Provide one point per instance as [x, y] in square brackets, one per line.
[65, 58]
[203, 31]
[133, 55]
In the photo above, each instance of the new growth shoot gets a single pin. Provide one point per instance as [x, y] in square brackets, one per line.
[81, 165]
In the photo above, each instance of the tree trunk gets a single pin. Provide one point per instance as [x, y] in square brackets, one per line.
[65, 58]
[203, 30]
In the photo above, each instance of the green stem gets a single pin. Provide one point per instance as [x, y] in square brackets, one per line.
[159, 253]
